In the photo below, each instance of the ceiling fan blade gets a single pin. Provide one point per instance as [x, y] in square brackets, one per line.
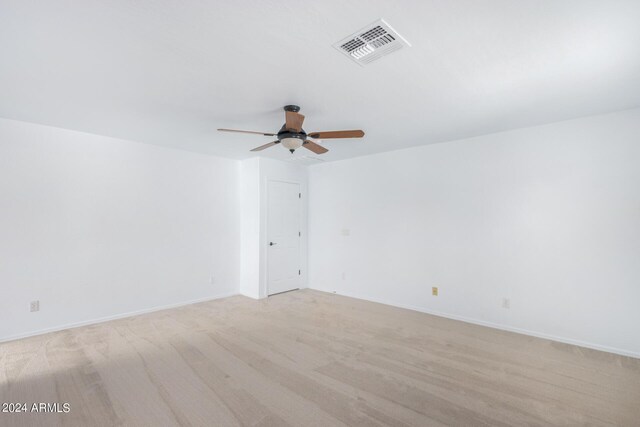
[293, 121]
[262, 147]
[310, 145]
[247, 131]
[337, 134]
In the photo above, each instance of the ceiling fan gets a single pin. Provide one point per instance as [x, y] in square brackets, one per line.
[292, 136]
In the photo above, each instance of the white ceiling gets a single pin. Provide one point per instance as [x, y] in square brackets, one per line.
[170, 72]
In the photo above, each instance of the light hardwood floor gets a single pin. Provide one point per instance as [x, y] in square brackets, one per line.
[308, 358]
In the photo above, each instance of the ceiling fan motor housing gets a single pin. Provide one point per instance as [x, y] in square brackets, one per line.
[286, 133]
[291, 140]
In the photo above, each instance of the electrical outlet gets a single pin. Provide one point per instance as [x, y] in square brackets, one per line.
[212, 280]
[506, 303]
[34, 306]
[346, 232]
[434, 291]
[344, 275]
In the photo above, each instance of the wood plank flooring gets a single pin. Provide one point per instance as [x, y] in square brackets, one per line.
[308, 358]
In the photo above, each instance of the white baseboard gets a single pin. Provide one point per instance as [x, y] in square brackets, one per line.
[114, 317]
[578, 343]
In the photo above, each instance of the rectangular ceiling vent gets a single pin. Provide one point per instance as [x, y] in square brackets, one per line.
[372, 42]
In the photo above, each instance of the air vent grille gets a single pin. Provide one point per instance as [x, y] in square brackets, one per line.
[372, 42]
[373, 33]
[352, 45]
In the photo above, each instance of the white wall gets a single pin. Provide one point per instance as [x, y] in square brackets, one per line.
[250, 218]
[548, 217]
[96, 227]
[255, 175]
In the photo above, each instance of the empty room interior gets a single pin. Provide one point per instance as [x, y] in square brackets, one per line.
[330, 213]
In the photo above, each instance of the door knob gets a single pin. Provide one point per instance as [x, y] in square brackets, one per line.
[271, 243]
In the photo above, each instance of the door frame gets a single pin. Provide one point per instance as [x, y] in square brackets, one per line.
[266, 234]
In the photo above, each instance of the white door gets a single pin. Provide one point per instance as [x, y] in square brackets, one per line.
[283, 234]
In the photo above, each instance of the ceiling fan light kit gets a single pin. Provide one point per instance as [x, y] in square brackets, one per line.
[292, 144]
[292, 136]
